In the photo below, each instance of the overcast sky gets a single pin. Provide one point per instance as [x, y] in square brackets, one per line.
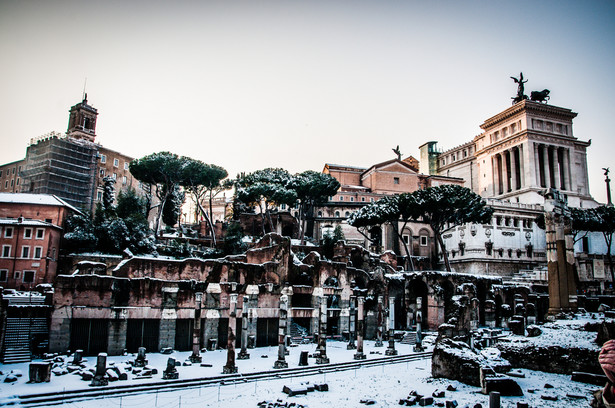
[296, 84]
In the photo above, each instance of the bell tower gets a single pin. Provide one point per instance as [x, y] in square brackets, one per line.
[82, 121]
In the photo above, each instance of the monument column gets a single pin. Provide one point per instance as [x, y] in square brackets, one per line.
[557, 174]
[496, 175]
[359, 355]
[545, 165]
[522, 181]
[536, 163]
[513, 170]
[566, 160]
[505, 179]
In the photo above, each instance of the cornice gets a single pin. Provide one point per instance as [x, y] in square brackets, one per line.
[529, 107]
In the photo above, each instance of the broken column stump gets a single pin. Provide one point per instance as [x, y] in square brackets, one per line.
[99, 378]
[140, 361]
[170, 373]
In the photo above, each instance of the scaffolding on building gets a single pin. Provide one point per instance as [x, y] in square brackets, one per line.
[62, 166]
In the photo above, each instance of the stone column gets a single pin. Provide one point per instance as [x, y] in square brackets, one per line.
[230, 367]
[351, 324]
[546, 170]
[196, 330]
[560, 256]
[513, 170]
[281, 361]
[418, 346]
[537, 165]
[505, 173]
[496, 174]
[322, 333]
[360, 329]
[522, 163]
[101, 369]
[566, 163]
[557, 174]
[390, 351]
[243, 354]
[474, 314]
[380, 321]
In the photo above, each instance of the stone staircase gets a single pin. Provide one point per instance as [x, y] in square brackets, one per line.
[17, 339]
[409, 338]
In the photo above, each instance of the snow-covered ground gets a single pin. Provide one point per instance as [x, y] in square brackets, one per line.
[385, 385]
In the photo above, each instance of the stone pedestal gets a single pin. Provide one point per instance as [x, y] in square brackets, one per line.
[418, 346]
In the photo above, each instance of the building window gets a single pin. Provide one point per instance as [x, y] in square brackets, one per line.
[17, 183]
[371, 199]
[320, 213]
[40, 233]
[126, 166]
[363, 199]
[25, 252]
[38, 252]
[12, 183]
[4, 275]
[423, 240]
[8, 232]
[27, 233]
[6, 251]
[0, 173]
[6, 184]
[282, 207]
[337, 214]
[114, 176]
[53, 254]
[13, 170]
[102, 172]
[116, 162]
[395, 180]
[406, 239]
[341, 198]
[103, 158]
[346, 214]
[28, 276]
[124, 180]
[17, 275]
[99, 195]
[351, 198]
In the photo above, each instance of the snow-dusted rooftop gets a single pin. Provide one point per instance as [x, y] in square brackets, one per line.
[40, 199]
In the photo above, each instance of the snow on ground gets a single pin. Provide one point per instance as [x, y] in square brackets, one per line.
[385, 384]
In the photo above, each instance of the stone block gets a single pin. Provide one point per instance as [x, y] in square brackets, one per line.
[294, 390]
[595, 379]
[425, 401]
[506, 386]
[39, 372]
[321, 387]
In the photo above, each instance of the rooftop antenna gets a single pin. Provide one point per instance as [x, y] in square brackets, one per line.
[85, 96]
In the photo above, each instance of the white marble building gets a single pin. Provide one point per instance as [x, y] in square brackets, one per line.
[521, 152]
